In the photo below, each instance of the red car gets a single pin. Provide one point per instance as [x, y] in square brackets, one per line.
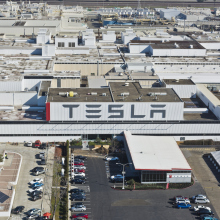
[80, 215]
[79, 170]
[79, 163]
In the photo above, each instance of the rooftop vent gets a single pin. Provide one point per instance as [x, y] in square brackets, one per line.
[156, 93]
[126, 84]
[125, 94]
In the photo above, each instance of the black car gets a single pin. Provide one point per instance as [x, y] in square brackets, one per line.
[77, 204]
[17, 210]
[80, 177]
[34, 198]
[43, 162]
[77, 191]
[43, 146]
[37, 169]
[204, 211]
[77, 197]
[36, 193]
[80, 157]
[79, 181]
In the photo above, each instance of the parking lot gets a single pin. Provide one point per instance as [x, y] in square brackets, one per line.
[107, 203]
[86, 188]
[29, 161]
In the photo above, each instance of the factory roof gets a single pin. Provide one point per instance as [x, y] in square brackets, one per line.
[155, 153]
[83, 95]
[216, 155]
[133, 92]
[178, 82]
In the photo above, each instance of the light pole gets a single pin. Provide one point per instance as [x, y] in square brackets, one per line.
[123, 172]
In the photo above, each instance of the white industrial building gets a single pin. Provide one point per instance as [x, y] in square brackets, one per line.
[156, 159]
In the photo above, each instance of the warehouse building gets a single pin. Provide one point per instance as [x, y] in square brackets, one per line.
[156, 159]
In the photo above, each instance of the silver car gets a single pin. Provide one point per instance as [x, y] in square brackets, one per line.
[78, 208]
[201, 200]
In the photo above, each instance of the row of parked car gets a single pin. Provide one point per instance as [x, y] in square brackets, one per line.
[31, 214]
[36, 189]
[78, 195]
[204, 212]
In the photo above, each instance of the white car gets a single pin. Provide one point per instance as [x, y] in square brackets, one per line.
[36, 189]
[37, 180]
[78, 208]
[79, 174]
[29, 144]
[199, 196]
[42, 154]
[182, 201]
[196, 208]
[79, 167]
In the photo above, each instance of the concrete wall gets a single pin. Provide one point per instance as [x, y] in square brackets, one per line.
[178, 52]
[139, 48]
[72, 51]
[85, 70]
[66, 41]
[18, 98]
[21, 50]
[11, 86]
[211, 46]
[48, 50]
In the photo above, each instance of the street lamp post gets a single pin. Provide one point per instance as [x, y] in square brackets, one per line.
[123, 172]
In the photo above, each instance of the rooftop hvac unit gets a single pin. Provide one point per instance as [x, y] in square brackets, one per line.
[176, 80]
[103, 94]
[124, 93]
[191, 46]
[93, 93]
[120, 74]
[156, 93]
[126, 84]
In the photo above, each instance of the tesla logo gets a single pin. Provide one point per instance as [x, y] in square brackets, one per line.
[116, 111]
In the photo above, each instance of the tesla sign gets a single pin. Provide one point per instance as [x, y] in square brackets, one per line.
[116, 111]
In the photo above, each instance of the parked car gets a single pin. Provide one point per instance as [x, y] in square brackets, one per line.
[196, 208]
[36, 185]
[42, 154]
[204, 211]
[78, 197]
[116, 176]
[182, 201]
[39, 172]
[79, 181]
[181, 197]
[43, 146]
[36, 193]
[34, 211]
[37, 169]
[37, 180]
[80, 167]
[207, 217]
[29, 144]
[43, 162]
[78, 193]
[37, 197]
[78, 163]
[17, 210]
[80, 157]
[199, 196]
[183, 205]
[78, 160]
[76, 190]
[80, 215]
[201, 201]
[80, 177]
[79, 170]
[111, 158]
[37, 188]
[118, 180]
[78, 208]
[79, 174]
[34, 216]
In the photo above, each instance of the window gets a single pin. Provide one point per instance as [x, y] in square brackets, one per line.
[71, 44]
[60, 44]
